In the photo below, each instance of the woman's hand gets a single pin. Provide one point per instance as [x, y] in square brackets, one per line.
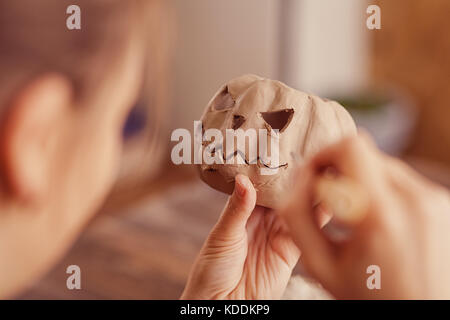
[248, 254]
[405, 231]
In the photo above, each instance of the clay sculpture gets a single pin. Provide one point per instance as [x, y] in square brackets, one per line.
[302, 124]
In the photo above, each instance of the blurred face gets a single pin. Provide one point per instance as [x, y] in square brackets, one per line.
[89, 161]
[60, 159]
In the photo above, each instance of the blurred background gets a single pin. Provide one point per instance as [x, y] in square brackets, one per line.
[395, 81]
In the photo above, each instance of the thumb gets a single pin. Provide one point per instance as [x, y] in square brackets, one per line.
[238, 209]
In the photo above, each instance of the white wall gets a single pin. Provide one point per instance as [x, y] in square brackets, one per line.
[216, 41]
[319, 46]
[327, 43]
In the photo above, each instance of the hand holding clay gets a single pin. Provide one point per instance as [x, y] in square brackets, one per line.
[301, 124]
[403, 233]
[229, 265]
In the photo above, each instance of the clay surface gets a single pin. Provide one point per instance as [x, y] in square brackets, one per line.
[306, 124]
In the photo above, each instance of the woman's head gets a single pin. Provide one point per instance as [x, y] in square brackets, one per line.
[64, 97]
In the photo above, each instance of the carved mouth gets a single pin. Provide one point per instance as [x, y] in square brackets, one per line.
[242, 155]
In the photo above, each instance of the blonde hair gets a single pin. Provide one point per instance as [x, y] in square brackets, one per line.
[34, 40]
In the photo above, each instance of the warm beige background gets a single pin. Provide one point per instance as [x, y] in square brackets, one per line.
[320, 46]
[144, 247]
[317, 46]
[324, 46]
[412, 51]
[216, 41]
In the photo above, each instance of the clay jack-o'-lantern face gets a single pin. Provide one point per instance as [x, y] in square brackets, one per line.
[305, 124]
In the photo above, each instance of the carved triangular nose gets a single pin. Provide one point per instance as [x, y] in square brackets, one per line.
[278, 119]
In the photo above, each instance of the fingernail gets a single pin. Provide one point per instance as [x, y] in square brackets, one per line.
[240, 187]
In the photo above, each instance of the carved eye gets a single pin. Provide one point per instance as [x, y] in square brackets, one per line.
[237, 121]
[278, 119]
[223, 101]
